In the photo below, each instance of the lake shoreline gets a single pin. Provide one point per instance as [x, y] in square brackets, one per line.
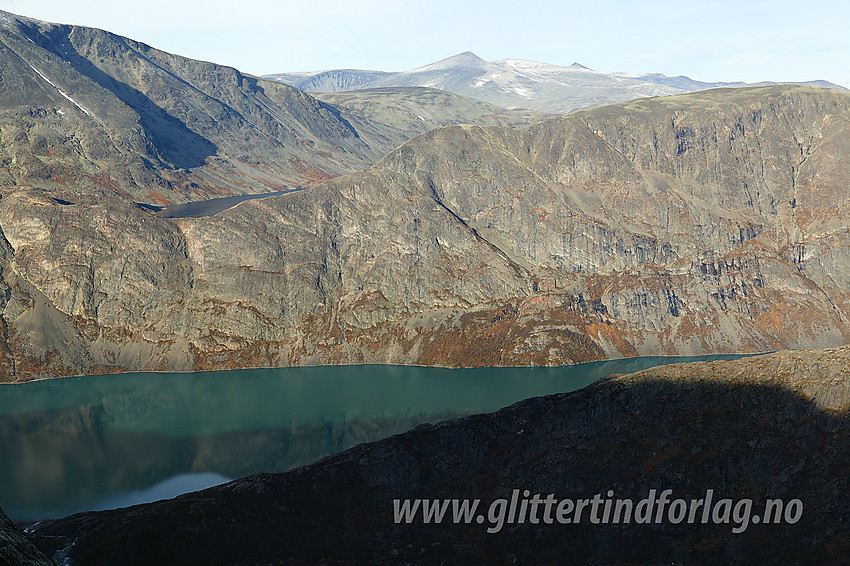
[438, 366]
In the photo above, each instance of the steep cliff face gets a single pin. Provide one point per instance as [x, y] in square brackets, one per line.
[767, 427]
[712, 222]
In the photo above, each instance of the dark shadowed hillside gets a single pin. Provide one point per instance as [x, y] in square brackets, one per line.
[767, 427]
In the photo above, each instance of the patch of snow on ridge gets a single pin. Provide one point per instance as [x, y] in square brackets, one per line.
[527, 65]
[522, 92]
[479, 83]
[59, 89]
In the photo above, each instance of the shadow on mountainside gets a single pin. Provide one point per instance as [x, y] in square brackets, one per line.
[743, 441]
[175, 143]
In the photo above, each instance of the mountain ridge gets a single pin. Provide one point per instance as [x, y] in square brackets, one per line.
[89, 109]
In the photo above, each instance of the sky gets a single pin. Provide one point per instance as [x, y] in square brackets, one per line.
[717, 40]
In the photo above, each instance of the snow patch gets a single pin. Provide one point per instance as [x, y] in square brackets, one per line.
[421, 118]
[522, 91]
[59, 89]
[527, 65]
[479, 83]
[32, 527]
[60, 112]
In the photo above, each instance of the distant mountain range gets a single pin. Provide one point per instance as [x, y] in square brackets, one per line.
[515, 83]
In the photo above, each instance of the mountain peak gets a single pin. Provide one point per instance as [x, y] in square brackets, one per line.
[466, 56]
[464, 60]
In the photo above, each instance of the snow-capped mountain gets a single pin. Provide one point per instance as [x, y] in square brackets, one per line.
[513, 83]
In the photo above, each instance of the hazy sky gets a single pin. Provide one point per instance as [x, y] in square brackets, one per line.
[707, 40]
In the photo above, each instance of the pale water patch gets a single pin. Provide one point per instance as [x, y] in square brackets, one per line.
[211, 207]
[168, 489]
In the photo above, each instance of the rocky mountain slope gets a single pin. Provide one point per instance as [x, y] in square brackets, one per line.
[16, 549]
[705, 223]
[768, 427]
[85, 108]
[514, 83]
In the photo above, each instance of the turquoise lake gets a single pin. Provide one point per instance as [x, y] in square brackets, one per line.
[102, 442]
